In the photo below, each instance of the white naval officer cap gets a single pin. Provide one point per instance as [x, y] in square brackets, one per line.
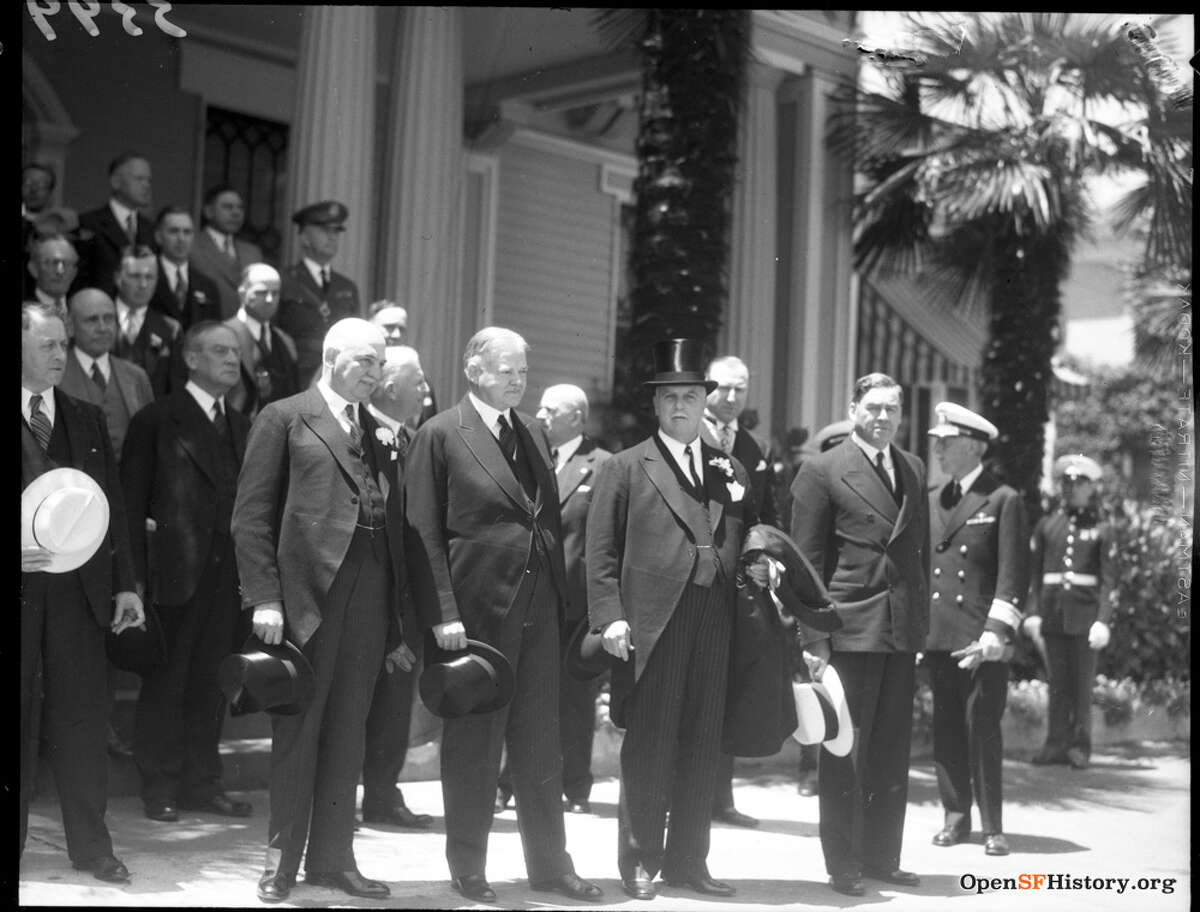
[1076, 465]
[955, 421]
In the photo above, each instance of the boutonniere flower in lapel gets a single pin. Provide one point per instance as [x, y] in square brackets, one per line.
[584, 471]
[388, 438]
[156, 340]
[200, 296]
[725, 467]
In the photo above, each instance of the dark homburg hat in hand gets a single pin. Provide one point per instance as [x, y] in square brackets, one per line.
[678, 362]
[475, 680]
[586, 656]
[271, 678]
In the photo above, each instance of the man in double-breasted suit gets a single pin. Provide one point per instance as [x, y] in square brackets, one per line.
[268, 353]
[314, 295]
[218, 252]
[665, 534]
[861, 517]
[64, 615]
[121, 222]
[310, 531]
[180, 470]
[980, 559]
[183, 291]
[485, 561]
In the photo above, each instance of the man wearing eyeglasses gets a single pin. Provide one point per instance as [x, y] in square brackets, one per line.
[53, 265]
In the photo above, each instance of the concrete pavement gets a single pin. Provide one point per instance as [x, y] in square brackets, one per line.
[1126, 817]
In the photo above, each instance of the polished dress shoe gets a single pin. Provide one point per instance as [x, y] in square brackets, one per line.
[502, 800]
[274, 887]
[807, 785]
[897, 876]
[348, 882]
[571, 885]
[948, 836]
[104, 867]
[1048, 758]
[1078, 759]
[847, 884]
[995, 844]
[474, 886]
[399, 816]
[582, 806]
[220, 804]
[702, 882]
[163, 811]
[639, 885]
[734, 817]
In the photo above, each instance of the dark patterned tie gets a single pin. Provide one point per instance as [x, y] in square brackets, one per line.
[181, 290]
[883, 473]
[699, 485]
[131, 227]
[507, 438]
[39, 422]
[98, 377]
[355, 428]
[220, 425]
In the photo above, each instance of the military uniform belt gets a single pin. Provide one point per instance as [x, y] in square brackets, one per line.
[1070, 579]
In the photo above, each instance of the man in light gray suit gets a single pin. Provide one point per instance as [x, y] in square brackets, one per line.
[217, 252]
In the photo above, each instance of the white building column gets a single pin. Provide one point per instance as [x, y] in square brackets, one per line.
[822, 311]
[333, 130]
[426, 179]
[750, 322]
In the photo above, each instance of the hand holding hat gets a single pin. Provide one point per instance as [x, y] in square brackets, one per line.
[64, 520]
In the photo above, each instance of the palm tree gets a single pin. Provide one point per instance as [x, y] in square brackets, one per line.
[973, 164]
[693, 76]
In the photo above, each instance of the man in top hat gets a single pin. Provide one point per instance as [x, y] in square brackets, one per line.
[64, 615]
[1072, 595]
[861, 516]
[218, 251]
[980, 564]
[120, 223]
[269, 370]
[180, 469]
[485, 561]
[314, 296]
[664, 538]
[311, 533]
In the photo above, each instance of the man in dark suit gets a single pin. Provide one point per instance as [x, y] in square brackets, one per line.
[980, 558]
[564, 412]
[268, 371]
[180, 470]
[146, 337]
[53, 265]
[485, 561]
[119, 223]
[398, 398]
[218, 252]
[721, 430]
[183, 291]
[665, 534]
[64, 615]
[314, 295]
[860, 515]
[318, 571]
[393, 320]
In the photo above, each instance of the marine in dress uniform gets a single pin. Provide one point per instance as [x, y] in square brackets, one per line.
[979, 565]
[1072, 593]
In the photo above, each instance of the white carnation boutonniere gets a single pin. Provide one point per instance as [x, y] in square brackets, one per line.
[387, 437]
[156, 340]
[725, 467]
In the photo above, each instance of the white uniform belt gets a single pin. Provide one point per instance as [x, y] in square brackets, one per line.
[1070, 579]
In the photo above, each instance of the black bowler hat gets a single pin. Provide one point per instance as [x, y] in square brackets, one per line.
[678, 362]
[477, 679]
[586, 656]
[329, 213]
[266, 678]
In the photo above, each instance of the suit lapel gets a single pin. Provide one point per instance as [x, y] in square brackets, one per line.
[858, 475]
[714, 483]
[192, 427]
[682, 504]
[970, 504]
[576, 469]
[538, 461]
[321, 421]
[482, 444]
[114, 230]
[912, 490]
[382, 454]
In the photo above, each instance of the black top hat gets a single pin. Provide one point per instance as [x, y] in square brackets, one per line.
[679, 361]
[271, 678]
[477, 679]
[586, 656]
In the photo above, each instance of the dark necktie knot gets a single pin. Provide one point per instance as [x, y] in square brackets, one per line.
[882, 472]
[98, 377]
[39, 422]
[692, 474]
[507, 437]
[951, 494]
[324, 278]
[355, 427]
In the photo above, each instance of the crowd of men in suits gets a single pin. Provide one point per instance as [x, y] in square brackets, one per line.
[278, 477]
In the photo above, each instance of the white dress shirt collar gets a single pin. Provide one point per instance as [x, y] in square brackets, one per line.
[86, 361]
[873, 451]
[675, 448]
[203, 398]
[567, 450]
[218, 237]
[173, 271]
[969, 479]
[337, 405]
[717, 423]
[121, 212]
[252, 324]
[314, 269]
[48, 300]
[489, 414]
[47, 403]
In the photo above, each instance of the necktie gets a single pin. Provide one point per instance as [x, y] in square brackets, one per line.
[507, 438]
[131, 227]
[181, 290]
[954, 493]
[220, 425]
[355, 428]
[883, 473]
[264, 338]
[726, 438]
[554, 458]
[324, 278]
[38, 421]
[229, 251]
[699, 485]
[133, 325]
[98, 377]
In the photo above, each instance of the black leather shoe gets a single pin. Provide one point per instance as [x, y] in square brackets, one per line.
[847, 884]
[571, 885]
[348, 882]
[104, 867]
[807, 786]
[502, 801]
[702, 882]
[582, 806]
[1078, 759]
[474, 886]
[398, 816]
[995, 844]
[220, 804]
[948, 836]
[274, 887]
[639, 885]
[898, 877]
[163, 811]
[734, 817]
